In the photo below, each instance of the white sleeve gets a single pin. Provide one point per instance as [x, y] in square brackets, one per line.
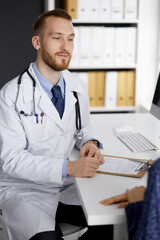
[16, 162]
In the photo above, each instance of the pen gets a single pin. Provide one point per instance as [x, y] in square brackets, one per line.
[36, 115]
[42, 115]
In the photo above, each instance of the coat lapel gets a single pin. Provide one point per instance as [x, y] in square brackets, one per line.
[69, 105]
[44, 103]
[72, 84]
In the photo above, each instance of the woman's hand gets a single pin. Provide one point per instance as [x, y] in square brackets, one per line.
[134, 195]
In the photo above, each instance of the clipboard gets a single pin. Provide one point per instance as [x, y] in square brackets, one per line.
[146, 165]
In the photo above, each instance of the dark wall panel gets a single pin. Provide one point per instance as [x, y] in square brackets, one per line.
[16, 51]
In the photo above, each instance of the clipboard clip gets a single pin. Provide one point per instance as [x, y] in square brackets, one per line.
[145, 166]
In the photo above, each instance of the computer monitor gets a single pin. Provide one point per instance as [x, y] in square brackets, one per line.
[155, 107]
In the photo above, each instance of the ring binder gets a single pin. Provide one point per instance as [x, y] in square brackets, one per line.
[145, 166]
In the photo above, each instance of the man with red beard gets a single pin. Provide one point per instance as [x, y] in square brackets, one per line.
[38, 131]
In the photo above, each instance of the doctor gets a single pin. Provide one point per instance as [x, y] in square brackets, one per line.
[37, 135]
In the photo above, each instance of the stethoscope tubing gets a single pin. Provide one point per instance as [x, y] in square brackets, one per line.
[78, 113]
[34, 86]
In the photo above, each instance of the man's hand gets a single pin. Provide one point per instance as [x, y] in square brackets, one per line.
[90, 149]
[88, 163]
[83, 167]
[130, 196]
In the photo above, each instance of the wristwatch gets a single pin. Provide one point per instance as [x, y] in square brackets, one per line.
[97, 142]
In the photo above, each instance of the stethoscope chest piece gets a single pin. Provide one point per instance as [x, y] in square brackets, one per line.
[78, 134]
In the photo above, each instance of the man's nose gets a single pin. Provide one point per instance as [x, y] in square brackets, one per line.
[64, 44]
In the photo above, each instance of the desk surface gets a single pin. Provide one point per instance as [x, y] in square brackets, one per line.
[92, 190]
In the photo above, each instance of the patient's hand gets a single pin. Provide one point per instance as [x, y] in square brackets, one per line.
[134, 195]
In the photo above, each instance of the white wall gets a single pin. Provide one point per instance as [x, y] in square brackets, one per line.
[148, 51]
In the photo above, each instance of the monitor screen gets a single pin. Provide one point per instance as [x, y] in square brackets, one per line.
[155, 107]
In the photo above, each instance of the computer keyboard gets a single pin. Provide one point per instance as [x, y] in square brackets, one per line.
[136, 142]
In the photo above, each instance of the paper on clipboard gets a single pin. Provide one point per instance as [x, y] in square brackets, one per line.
[122, 166]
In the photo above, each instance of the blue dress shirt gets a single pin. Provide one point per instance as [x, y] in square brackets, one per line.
[47, 86]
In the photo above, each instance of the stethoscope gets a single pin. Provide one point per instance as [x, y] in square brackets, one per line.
[78, 133]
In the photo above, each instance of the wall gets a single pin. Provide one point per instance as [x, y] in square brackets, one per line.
[148, 51]
[16, 51]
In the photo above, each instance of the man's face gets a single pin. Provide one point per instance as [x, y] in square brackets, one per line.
[57, 43]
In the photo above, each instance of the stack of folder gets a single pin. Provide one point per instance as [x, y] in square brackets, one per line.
[126, 88]
[110, 89]
[101, 9]
[96, 88]
[104, 46]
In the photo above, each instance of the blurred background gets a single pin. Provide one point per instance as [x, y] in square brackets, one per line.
[16, 51]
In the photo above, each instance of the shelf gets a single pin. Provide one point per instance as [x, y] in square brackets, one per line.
[112, 67]
[106, 21]
[116, 109]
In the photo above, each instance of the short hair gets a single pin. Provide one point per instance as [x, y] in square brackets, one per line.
[39, 23]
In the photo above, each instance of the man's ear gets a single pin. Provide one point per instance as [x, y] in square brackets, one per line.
[36, 42]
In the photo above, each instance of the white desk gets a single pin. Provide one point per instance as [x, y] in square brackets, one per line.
[92, 190]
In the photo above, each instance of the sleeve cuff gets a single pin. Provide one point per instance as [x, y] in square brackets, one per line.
[134, 213]
[99, 144]
[64, 168]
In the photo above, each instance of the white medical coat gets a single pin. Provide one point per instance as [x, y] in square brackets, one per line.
[31, 154]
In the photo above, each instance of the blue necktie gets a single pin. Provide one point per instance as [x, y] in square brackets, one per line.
[57, 99]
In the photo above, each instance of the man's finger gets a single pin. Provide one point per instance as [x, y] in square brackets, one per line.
[91, 153]
[83, 152]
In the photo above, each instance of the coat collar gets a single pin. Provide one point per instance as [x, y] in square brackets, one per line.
[44, 103]
[72, 84]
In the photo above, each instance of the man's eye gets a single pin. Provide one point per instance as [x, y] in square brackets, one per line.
[71, 39]
[56, 38]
